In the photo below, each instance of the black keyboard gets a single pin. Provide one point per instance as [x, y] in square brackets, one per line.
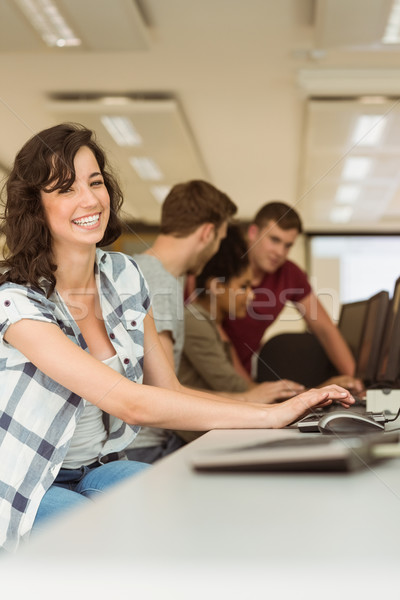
[359, 401]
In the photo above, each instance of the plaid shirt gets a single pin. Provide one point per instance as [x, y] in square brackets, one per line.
[37, 415]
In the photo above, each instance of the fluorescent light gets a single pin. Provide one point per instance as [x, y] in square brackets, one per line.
[45, 17]
[115, 100]
[347, 194]
[160, 192]
[356, 167]
[372, 99]
[368, 130]
[392, 31]
[121, 130]
[341, 214]
[146, 168]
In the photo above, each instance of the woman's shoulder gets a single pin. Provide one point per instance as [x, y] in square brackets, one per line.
[119, 272]
[9, 288]
[117, 264]
[17, 300]
[198, 321]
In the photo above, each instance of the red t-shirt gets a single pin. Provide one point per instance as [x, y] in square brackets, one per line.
[288, 283]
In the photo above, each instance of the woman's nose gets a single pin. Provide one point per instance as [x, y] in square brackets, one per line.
[86, 196]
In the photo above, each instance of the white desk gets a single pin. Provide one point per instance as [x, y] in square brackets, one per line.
[175, 533]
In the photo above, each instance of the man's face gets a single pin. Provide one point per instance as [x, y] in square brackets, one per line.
[211, 248]
[270, 246]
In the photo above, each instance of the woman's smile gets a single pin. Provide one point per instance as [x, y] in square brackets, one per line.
[88, 222]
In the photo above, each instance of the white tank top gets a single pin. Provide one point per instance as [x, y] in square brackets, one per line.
[90, 433]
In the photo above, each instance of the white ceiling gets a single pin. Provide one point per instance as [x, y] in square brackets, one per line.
[219, 89]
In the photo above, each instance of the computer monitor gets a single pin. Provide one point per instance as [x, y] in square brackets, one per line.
[351, 324]
[371, 341]
[389, 360]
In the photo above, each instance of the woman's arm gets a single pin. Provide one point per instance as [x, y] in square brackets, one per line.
[236, 362]
[204, 355]
[160, 401]
[204, 360]
[277, 390]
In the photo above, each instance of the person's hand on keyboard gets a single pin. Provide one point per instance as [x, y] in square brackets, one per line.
[274, 391]
[353, 384]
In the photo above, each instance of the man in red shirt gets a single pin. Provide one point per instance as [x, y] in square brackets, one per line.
[276, 281]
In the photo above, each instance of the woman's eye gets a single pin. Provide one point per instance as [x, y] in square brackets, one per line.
[96, 183]
[68, 191]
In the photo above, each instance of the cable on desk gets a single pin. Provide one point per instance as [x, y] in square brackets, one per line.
[394, 418]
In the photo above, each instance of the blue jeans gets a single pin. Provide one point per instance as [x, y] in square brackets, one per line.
[75, 487]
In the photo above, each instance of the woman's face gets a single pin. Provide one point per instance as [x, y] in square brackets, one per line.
[80, 215]
[233, 296]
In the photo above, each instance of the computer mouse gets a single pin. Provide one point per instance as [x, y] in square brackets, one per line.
[343, 422]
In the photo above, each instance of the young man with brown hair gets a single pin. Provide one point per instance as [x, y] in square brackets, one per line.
[194, 219]
[276, 281]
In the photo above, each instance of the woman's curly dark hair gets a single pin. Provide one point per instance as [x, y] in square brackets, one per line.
[230, 260]
[46, 162]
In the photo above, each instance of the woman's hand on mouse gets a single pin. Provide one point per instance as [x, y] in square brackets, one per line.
[338, 393]
[289, 411]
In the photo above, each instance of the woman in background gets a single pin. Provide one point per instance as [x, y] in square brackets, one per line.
[223, 291]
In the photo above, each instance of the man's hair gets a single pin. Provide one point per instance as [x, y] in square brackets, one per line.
[230, 260]
[191, 204]
[46, 162]
[284, 215]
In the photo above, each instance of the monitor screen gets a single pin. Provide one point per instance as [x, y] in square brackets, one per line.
[389, 359]
[370, 347]
[351, 324]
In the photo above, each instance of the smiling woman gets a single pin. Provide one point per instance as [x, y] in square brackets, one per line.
[45, 165]
[84, 207]
[77, 336]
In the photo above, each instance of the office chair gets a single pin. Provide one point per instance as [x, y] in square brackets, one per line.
[296, 356]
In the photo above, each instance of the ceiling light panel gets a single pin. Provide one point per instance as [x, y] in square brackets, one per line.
[347, 194]
[344, 182]
[160, 192]
[368, 130]
[117, 26]
[48, 21]
[341, 214]
[344, 23]
[122, 130]
[146, 168]
[392, 30]
[356, 167]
